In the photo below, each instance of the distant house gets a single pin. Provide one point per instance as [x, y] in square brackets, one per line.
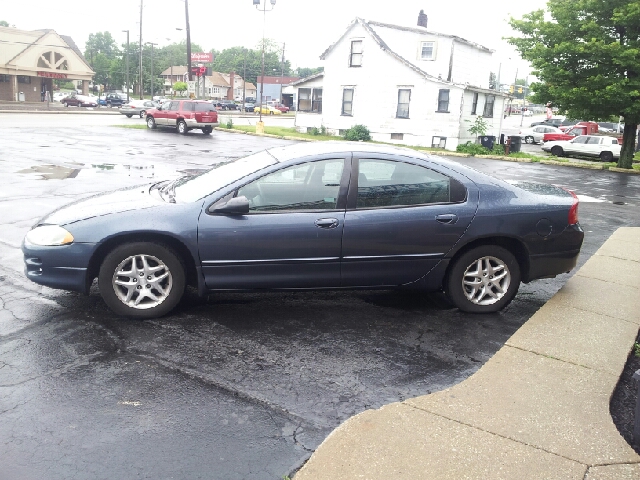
[272, 88]
[217, 86]
[238, 84]
[408, 85]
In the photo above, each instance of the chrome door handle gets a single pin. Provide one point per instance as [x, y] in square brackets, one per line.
[327, 222]
[448, 218]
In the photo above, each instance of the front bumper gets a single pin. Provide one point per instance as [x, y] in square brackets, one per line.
[63, 267]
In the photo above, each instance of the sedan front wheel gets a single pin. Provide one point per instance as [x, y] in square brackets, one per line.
[151, 123]
[141, 280]
[484, 279]
[529, 139]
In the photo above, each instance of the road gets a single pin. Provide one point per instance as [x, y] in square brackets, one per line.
[232, 385]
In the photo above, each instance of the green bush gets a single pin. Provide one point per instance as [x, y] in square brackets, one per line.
[473, 149]
[358, 133]
[323, 130]
[229, 124]
[313, 131]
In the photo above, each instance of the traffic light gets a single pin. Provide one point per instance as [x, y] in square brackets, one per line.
[519, 89]
[511, 89]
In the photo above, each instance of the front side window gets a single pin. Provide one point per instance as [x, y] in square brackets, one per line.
[474, 105]
[443, 100]
[308, 186]
[594, 140]
[304, 99]
[404, 96]
[175, 106]
[427, 50]
[488, 106]
[355, 59]
[347, 101]
[385, 183]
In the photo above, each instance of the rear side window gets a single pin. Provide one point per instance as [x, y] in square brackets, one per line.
[614, 141]
[385, 183]
[594, 140]
[203, 107]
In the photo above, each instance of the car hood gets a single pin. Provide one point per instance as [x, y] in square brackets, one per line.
[126, 199]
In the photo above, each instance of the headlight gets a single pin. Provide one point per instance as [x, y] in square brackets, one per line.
[49, 235]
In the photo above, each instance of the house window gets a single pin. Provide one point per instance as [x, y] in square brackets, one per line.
[427, 50]
[404, 95]
[488, 106]
[216, 90]
[4, 78]
[316, 103]
[443, 101]
[355, 60]
[304, 99]
[24, 79]
[397, 136]
[347, 101]
[474, 105]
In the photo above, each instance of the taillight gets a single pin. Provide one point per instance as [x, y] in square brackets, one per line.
[573, 210]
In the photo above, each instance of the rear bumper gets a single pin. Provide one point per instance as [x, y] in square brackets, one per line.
[562, 260]
[192, 123]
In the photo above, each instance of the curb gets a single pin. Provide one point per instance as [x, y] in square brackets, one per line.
[573, 164]
[506, 159]
[539, 408]
[254, 134]
[632, 171]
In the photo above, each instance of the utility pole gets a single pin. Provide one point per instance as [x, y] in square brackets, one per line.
[141, 85]
[127, 79]
[282, 74]
[244, 78]
[186, 15]
[152, 79]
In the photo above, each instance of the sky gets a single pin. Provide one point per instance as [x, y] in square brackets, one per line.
[306, 28]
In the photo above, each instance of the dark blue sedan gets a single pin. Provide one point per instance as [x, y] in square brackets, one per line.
[311, 216]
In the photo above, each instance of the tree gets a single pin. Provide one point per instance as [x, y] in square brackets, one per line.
[4, 23]
[587, 58]
[239, 58]
[180, 87]
[101, 42]
[304, 72]
[492, 81]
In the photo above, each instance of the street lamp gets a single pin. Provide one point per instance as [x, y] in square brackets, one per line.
[264, 10]
[127, 81]
[152, 79]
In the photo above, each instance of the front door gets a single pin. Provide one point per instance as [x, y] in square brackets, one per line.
[401, 220]
[161, 114]
[291, 237]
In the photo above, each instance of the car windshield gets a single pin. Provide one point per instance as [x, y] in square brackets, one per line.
[190, 189]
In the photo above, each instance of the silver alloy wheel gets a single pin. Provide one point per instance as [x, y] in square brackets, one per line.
[528, 139]
[182, 127]
[151, 123]
[486, 281]
[142, 281]
[142, 113]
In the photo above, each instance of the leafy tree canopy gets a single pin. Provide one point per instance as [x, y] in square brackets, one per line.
[587, 58]
[4, 23]
[303, 72]
[101, 42]
[240, 59]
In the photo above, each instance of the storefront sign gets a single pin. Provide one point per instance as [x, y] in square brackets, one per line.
[52, 75]
[202, 57]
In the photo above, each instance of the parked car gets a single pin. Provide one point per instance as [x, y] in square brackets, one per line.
[184, 115]
[137, 107]
[229, 105]
[249, 107]
[114, 100]
[600, 146]
[75, 100]
[557, 122]
[583, 128]
[275, 220]
[266, 110]
[536, 134]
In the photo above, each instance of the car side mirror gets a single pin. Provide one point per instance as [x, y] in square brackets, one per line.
[235, 206]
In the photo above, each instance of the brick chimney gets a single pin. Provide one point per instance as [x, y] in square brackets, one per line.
[232, 89]
[422, 19]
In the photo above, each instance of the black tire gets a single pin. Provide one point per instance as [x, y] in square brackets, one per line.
[129, 115]
[459, 270]
[109, 105]
[151, 123]
[529, 139]
[606, 156]
[181, 126]
[207, 130]
[118, 255]
[557, 151]
[142, 113]
[66, 104]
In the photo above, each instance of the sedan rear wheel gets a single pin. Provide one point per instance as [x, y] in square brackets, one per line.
[484, 279]
[606, 156]
[207, 130]
[151, 123]
[529, 139]
[129, 115]
[141, 280]
[557, 151]
[142, 113]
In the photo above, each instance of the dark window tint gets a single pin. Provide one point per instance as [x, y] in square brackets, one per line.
[203, 107]
[309, 186]
[384, 183]
[474, 105]
[443, 101]
[488, 106]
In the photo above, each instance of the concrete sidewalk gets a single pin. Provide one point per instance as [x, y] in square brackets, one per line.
[539, 409]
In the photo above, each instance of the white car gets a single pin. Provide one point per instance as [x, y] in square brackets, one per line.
[604, 147]
[536, 134]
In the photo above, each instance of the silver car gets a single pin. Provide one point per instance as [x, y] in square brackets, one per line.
[137, 107]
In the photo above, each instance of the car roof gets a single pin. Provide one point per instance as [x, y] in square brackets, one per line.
[290, 152]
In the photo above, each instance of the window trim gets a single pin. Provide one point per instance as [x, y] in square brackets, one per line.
[352, 195]
[353, 91]
[352, 53]
[400, 90]
[474, 103]
[306, 99]
[439, 100]
[433, 51]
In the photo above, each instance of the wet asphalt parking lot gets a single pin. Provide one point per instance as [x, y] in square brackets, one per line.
[233, 386]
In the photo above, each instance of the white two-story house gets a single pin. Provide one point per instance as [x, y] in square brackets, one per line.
[408, 85]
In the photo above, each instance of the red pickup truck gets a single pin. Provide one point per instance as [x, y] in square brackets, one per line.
[184, 115]
[582, 128]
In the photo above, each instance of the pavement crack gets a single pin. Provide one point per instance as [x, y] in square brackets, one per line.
[507, 344]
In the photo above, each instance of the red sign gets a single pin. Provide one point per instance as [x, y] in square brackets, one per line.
[202, 57]
[52, 75]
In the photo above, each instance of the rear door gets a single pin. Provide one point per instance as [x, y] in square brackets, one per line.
[174, 111]
[401, 220]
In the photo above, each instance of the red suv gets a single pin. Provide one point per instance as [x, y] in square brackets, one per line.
[184, 115]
